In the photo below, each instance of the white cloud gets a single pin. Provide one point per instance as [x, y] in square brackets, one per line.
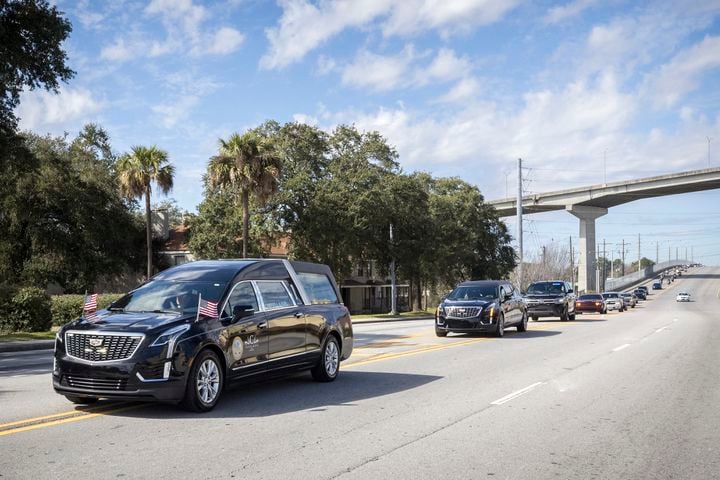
[176, 111]
[224, 41]
[407, 68]
[304, 26]
[40, 109]
[411, 16]
[118, 51]
[465, 89]
[187, 32]
[379, 72]
[325, 65]
[445, 66]
[561, 13]
[683, 73]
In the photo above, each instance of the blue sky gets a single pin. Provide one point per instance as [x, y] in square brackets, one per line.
[460, 87]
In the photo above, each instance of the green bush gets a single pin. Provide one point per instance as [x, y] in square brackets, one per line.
[25, 309]
[66, 308]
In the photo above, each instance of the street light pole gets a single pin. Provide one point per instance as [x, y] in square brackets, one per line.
[519, 213]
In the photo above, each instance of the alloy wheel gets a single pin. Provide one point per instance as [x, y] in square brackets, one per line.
[332, 358]
[208, 381]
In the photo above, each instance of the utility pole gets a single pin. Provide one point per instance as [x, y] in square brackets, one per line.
[622, 268]
[639, 256]
[572, 266]
[604, 267]
[685, 254]
[612, 263]
[669, 253]
[657, 252]
[692, 254]
[520, 226]
[676, 253]
[393, 279]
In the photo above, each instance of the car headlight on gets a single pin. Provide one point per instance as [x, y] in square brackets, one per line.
[491, 309]
[169, 337]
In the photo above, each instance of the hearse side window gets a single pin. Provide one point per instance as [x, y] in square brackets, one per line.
[318, 288]
[274, 295]
[242, 294]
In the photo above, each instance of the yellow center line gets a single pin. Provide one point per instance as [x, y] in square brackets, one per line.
[66, 420]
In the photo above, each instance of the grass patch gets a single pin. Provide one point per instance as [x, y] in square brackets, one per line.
[420, 313]
[24, 336]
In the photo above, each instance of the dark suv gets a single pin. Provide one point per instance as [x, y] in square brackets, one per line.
[196, 328]
[551, 299]
[481, 306]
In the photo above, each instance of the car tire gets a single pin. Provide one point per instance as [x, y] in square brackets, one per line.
[604, 311]
[204, 384]
[572, 316]
[80, 400]
[328, 365]
[440, 333]
[522, 326]
[535, 319]
[500, 329]
[564, 316]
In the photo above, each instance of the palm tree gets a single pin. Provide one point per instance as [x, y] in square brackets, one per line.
[248, 163]
[137, 171]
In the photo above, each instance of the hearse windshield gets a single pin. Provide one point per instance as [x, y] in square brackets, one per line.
[474, 292]
[544, 288]
[169, 297]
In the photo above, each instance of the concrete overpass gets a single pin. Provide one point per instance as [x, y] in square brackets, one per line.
[592, 202]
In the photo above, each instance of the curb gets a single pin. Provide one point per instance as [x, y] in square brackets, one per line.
[23, 346]
[390, 320]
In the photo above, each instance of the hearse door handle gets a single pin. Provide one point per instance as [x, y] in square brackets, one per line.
[299, 314]
[262, 325]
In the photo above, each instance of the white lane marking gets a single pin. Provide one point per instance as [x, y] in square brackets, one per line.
[660, 329]
[516, 394]
[621, 347]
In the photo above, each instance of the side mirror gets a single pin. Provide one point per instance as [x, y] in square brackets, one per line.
[242, 311]
[570, 291]
[508, 296]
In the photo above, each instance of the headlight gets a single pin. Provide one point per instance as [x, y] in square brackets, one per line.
[441, 310]
[58, 337]
[491, 309]
[559, 300]
[169, 337]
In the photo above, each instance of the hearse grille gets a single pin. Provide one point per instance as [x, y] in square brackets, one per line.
[116, 384]
[101, 348]
[462, 312]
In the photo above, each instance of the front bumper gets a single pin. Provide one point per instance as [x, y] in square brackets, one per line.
[467, 325]
[144, 376]
[614, 306]
[545, 309]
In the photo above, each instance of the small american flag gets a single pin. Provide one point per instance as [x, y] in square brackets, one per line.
[90, 304]
[209, 309]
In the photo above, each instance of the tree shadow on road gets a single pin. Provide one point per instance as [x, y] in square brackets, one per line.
[293, 394]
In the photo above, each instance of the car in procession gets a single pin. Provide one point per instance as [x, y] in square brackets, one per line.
[481, 306]
[682, 297]
[590, 303]
[614, 301]
[550, 299]
[629, 299]
[196, 328]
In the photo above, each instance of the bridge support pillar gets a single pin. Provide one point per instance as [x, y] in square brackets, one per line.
[586, 261]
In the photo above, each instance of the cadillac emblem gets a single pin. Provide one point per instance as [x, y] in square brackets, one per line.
[95, 342]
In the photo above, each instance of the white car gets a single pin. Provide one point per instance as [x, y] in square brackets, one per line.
[682, 297]
[614, 301]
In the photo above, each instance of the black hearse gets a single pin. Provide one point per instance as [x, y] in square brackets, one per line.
[481, 306]
[274, 317]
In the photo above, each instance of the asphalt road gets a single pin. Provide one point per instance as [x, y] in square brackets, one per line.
[629, 395]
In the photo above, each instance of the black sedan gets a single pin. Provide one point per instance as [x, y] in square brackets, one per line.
[481, 306]
[196, 328]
